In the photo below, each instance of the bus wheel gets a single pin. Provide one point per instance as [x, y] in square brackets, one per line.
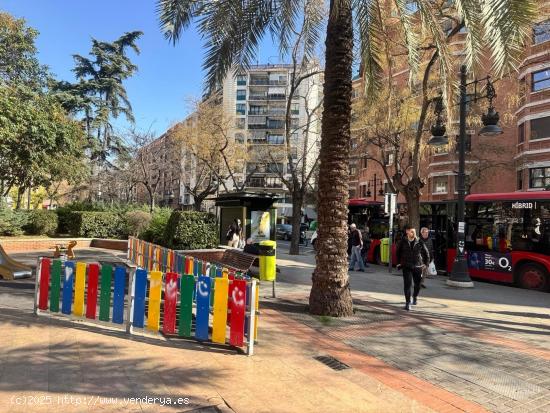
[533, 277]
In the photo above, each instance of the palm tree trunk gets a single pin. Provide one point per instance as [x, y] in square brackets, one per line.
[330, 293]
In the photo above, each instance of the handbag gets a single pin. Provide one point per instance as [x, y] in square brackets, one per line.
[431, 269]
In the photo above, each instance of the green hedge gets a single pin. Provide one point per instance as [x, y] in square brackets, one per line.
[12, 222]
[90, 224]
[41, 222]
[188, 230]
[157, 226]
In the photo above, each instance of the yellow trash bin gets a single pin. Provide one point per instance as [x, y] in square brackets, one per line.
[268, 264]
[385, 250]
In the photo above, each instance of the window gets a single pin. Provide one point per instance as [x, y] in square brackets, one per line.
[257, 110]
[364, 163]
[294, 122]
[388, 158]
[275, 139]
[467, 144]
[539, 177]
[541, 32]
[241, 80]
[540, 80]
[521, 133]
[239, 123]
[241, 109]
[440, 185]
[295, 108]
[519, 180]
[274, 168]
[241, 94]
[540, 128]
[352, 170]
[351, 193]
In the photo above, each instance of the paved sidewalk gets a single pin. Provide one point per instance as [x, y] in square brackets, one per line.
[486, 349]
[51, 365]
[489, 345]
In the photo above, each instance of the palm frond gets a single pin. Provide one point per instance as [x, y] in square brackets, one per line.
[507, 23]
[431, 22]
[233, 30]
[469, 11]
[409, 34]
[371, 45]
[176, 15]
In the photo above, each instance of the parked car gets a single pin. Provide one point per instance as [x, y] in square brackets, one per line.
[284, 232]
[313, 239]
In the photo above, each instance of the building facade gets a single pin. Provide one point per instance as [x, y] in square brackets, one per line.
[257, 99]
[517, 160]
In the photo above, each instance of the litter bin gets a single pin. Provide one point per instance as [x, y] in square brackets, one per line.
[267, 260]
[385, 250]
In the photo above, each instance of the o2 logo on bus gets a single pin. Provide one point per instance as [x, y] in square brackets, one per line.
[504, 263]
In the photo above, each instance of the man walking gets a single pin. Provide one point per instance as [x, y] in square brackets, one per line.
[356, 241]
[425, 238]
[412, 257]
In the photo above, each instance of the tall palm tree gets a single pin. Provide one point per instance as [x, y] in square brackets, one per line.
[232, 30]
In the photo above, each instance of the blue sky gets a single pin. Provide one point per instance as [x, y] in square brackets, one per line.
[168, 76]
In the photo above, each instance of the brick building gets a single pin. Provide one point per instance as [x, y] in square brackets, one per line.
[517, 160]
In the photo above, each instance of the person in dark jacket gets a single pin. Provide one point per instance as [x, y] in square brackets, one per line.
[425, 238]
[412, 258]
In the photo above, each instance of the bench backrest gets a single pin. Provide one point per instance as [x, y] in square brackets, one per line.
[238, 259]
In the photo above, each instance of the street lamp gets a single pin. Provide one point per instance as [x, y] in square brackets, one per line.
[375, 182]
[459, 276]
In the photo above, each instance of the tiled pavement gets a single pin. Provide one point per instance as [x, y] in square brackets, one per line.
[494, 353]
[489, 352]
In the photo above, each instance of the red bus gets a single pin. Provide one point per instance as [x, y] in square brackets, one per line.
[508, 238]
[507, 235]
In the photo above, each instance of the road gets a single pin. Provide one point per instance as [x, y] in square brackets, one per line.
[285, 245]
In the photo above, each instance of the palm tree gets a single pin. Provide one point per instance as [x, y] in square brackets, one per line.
[232, 30]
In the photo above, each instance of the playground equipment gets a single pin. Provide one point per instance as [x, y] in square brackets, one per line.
[226, 303]
[11, 269]
[65, 250]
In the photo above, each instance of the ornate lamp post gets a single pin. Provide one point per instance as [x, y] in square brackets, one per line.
[459, 276]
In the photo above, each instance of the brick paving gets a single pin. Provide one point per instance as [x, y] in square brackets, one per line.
[480, 350]
[494, 353]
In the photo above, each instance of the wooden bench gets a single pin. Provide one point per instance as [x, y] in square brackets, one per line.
[238, 260]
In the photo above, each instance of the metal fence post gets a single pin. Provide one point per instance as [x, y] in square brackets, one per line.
[36, 281]
[131, 294]
[252, 319]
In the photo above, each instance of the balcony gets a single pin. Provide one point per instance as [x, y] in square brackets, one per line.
[259, 81]
[257, 96]
[264, 182]
[276, 96]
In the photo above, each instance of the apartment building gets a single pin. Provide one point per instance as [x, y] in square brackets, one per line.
[517, 160]
[170, 170]
[257, 100]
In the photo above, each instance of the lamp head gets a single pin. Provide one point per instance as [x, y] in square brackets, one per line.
[490, 123]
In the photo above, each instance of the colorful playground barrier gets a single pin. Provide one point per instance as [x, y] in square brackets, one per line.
[227, 306]
[153, 257]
